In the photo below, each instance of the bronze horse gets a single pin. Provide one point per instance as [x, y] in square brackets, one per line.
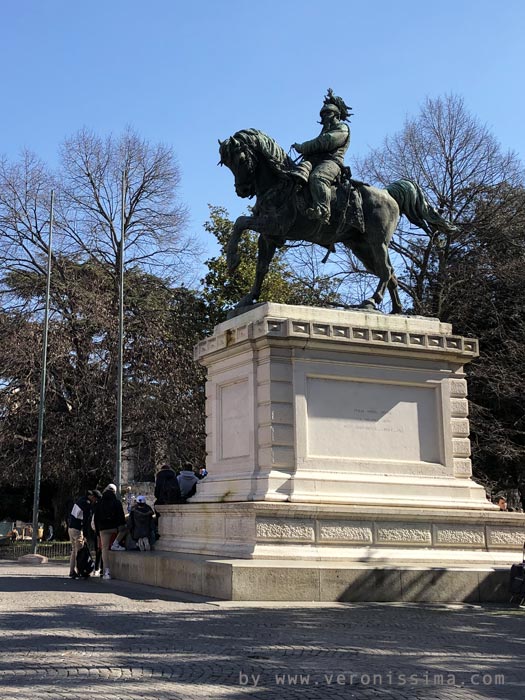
[262, 169]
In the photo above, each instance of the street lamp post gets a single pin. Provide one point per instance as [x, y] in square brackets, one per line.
[43, 373]
[118, 465]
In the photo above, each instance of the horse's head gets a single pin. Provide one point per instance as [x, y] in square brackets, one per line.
[239, 158]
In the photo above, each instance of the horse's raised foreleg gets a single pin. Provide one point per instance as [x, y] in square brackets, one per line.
[242, 223]
[266, 250]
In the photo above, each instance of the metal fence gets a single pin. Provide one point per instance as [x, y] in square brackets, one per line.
[51, 550]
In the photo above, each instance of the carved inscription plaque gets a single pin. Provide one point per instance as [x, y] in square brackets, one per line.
[234, 415]
[368, 420]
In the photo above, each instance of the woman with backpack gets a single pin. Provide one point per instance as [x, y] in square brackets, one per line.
[109, 516]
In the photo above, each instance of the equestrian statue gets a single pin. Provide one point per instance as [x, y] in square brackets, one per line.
[317, 201]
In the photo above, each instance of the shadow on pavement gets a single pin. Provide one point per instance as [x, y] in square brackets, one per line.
[161, 638]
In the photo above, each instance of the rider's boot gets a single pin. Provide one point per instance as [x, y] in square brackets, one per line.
[321, 192]
[301, 172]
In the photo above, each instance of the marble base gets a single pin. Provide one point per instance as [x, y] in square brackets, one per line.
[305, 532]
[244, 580]
[301, 552]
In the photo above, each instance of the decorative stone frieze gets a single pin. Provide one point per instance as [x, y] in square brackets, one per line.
[290, 530]
[404, 535]
[445, 342]
[459, 536]
[505, 537]
[339, 532]
[360, 534]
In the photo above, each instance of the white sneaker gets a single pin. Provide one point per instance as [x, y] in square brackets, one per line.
[115, 547]
[147, 546]
[107, 575]
[141, 544]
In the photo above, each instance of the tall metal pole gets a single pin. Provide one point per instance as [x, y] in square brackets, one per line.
[43, 374]
[118, 467]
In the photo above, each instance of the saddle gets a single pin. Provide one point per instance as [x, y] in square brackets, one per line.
[346, 209]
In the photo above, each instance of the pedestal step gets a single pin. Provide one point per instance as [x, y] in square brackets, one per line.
[245, 580]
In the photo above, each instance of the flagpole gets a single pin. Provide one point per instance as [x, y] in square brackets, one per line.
[43, 374]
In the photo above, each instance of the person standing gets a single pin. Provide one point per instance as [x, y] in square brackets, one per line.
[109, 517]
[79, 524]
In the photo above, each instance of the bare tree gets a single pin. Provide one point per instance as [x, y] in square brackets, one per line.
[25, 189]
[457, 162]
[90, 202]
[88, 207]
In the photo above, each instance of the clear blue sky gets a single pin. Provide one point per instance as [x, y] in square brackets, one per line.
[187, 73]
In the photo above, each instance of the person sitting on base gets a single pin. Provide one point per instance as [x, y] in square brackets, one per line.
[167, 491]
[187, 481]
[140, 523]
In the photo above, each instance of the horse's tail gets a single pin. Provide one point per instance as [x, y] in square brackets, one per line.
[413, 204]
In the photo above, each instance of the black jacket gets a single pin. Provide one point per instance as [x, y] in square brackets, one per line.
[167, 489]
[109, 513]
[80, 516]
[140, 518]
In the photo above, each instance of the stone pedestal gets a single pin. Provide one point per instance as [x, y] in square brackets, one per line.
[337, 446]
[312, 405]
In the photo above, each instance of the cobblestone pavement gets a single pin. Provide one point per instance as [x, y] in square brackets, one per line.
[111, 639]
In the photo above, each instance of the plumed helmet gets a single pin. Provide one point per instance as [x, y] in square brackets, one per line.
[336, 105]
[330, 108]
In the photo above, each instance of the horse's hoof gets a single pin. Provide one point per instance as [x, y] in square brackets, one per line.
[244, 305]
[368, 304]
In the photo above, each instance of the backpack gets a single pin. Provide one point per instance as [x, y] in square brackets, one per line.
[85, 565]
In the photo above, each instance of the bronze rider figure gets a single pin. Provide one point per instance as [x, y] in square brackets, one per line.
[323, 157]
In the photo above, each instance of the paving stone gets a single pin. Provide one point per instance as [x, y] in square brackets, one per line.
[114, 640]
